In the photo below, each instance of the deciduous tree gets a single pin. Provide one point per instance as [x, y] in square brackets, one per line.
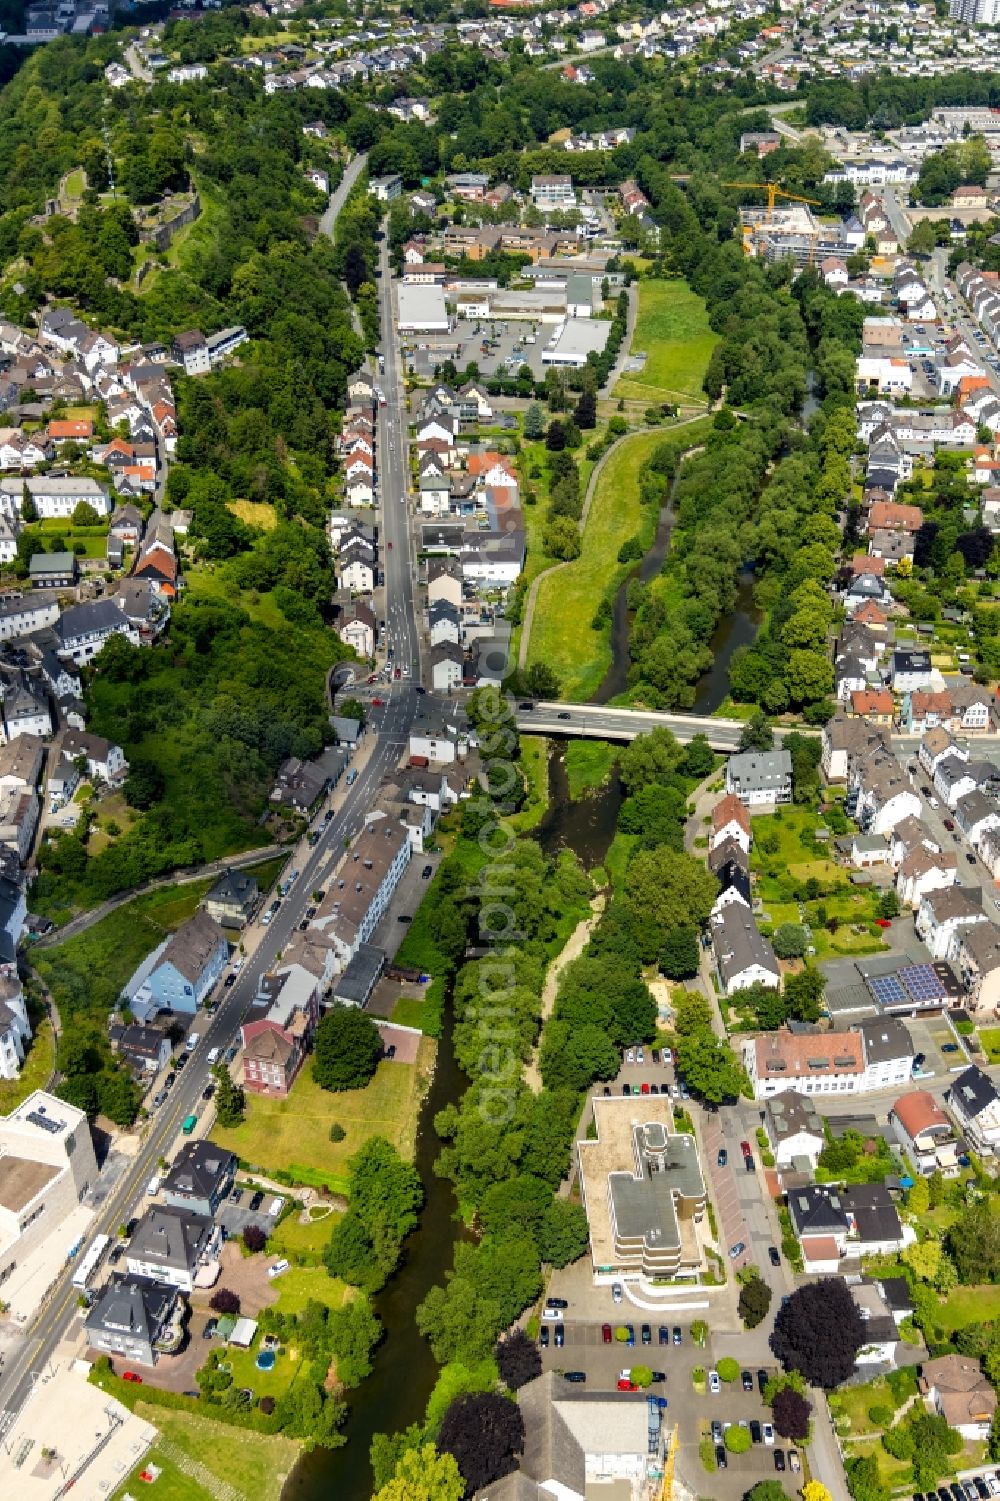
[485, 1434]
[347, 1049]
[819, 1331]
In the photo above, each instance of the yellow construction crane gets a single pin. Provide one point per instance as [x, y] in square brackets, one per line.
[773, 191]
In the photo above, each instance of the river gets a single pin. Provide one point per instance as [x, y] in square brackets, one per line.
[396, 1392]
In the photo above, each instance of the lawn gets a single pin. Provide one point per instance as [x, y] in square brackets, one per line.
[86, 973]
[589, 764]
[171, 1484]
[256, 1465]
[294, 1134]
[968, 1305]
[534, 765]
[850, 1405]
[990, 1039]
[562, 634]
[302, 1242]
[672, 331]
[257, 513]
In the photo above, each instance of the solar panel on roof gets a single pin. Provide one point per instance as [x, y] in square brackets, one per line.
[886, 989]
[922, 982]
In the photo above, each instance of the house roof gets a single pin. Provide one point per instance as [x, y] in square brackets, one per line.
[783, 1055]
[973, 1092]
[791, 1114]
[267, 1042]
[233, 886]
[917, 1111]
[729, 809]
[198, 1168]
[191, 947]
[963, 1393]
[885, 1039]
[818, 1210]
[875, 1217]
[739, 944]
[132, 1306]
[168, 1236]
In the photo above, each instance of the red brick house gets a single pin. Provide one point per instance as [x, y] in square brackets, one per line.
[272, 1057]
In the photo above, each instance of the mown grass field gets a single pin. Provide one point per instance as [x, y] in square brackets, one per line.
[255, 1464]
[294, 1134]
[672, 331]
[562, 635]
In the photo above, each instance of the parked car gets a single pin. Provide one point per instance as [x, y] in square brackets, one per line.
[560, 1336]
[426, 873]
[779, 1461]
[543, 1337]
[793, 1460]
[574, 1375]
[606, 1333]
[664, 1335]
[738, 1249]
[132, 1376]
[256, 1201]
[755, 1434]
[723, 1157]
[647, 1335]
[773, 1256]
[677, 1334]
[625, 1385]
[721, 1460]
[714, 1384]
[630, 1334]
[761, 1380]
[208, 1332]
[769, 1433]
[747, 1380]
[616, 1292]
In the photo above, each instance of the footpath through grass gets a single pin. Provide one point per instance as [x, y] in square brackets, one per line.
[562, 632]
[672, 330]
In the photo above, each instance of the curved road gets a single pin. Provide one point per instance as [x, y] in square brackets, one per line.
[59, 1313]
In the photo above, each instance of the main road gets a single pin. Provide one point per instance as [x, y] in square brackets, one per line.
[391, 727]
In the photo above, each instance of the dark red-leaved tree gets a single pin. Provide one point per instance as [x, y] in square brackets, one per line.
[819, 1331]
[223, 1300]
[791, 1413]
[485, 1433]
[519, 1359]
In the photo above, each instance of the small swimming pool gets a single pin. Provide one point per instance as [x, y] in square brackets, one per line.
[265, 1360]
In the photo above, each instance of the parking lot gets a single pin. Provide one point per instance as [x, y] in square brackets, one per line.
[424, 351]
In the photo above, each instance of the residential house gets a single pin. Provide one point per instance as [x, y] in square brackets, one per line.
[935, 745]
[730, 820]
[447, 664]
[83, 629]
[15, 1027]
[105, 762]
[52, 570]
[181, 971]
[233, 898]
[910, 671]
[199, 1178]
[888, 1053]
[760, 778]
[170, 1244]
[743, 956]
[924, 1132]
[811, 1063]
[299, 785]
[923, 870]
[794, 1129]
[975, 1104]
[145, 1049]
[134, 1318]
[954, 1387]
[357, 626]
[976, 815]
[942, 914]
[978, 963]
[874, 1224]
[845, 740]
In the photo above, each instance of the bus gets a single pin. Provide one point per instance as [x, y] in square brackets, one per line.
[189, 1124]
[89, 1264]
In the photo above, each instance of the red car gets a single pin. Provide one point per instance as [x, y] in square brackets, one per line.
[131, 1376]
[378, 703]
[373, 678]
[397, 672]
[627, 1386]
[645, 1089]
[745, 1148]
[606, 1334]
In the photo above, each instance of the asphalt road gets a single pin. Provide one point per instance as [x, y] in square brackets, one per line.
[390, 727]
[624, 724]
[338, 197]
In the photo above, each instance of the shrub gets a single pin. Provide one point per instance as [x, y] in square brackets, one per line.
[267, 1404]
[224, 1300]
[337, 1132]
[728, 1369]
[879, 1416]
[698, 1375]
[706, 1453]
[254, 1238]
[737, 1439]
[641, 1375]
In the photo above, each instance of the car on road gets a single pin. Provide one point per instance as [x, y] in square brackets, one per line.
[971, 858]
[606, 1333]
[427, 872]
[556, 1302]
[714, 1384]
[404, 918]
[647, 1335]
[616, 1292]
[769, 1433]
[723, 1157]
[747, 1381]
[779, 1461]
[574, 1375]
[659, 1375]
[663, 1335]
[563, 715]
[418, 689]
[773, 1256]
[948, 825]
[378, 703]
[543, 1337]
[526, 707]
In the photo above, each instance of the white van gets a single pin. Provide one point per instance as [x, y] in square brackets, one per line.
[193, 1041]
[153, 1186]
[213, 1057]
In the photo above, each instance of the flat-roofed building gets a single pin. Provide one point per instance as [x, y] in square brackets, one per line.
[643, 1190]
